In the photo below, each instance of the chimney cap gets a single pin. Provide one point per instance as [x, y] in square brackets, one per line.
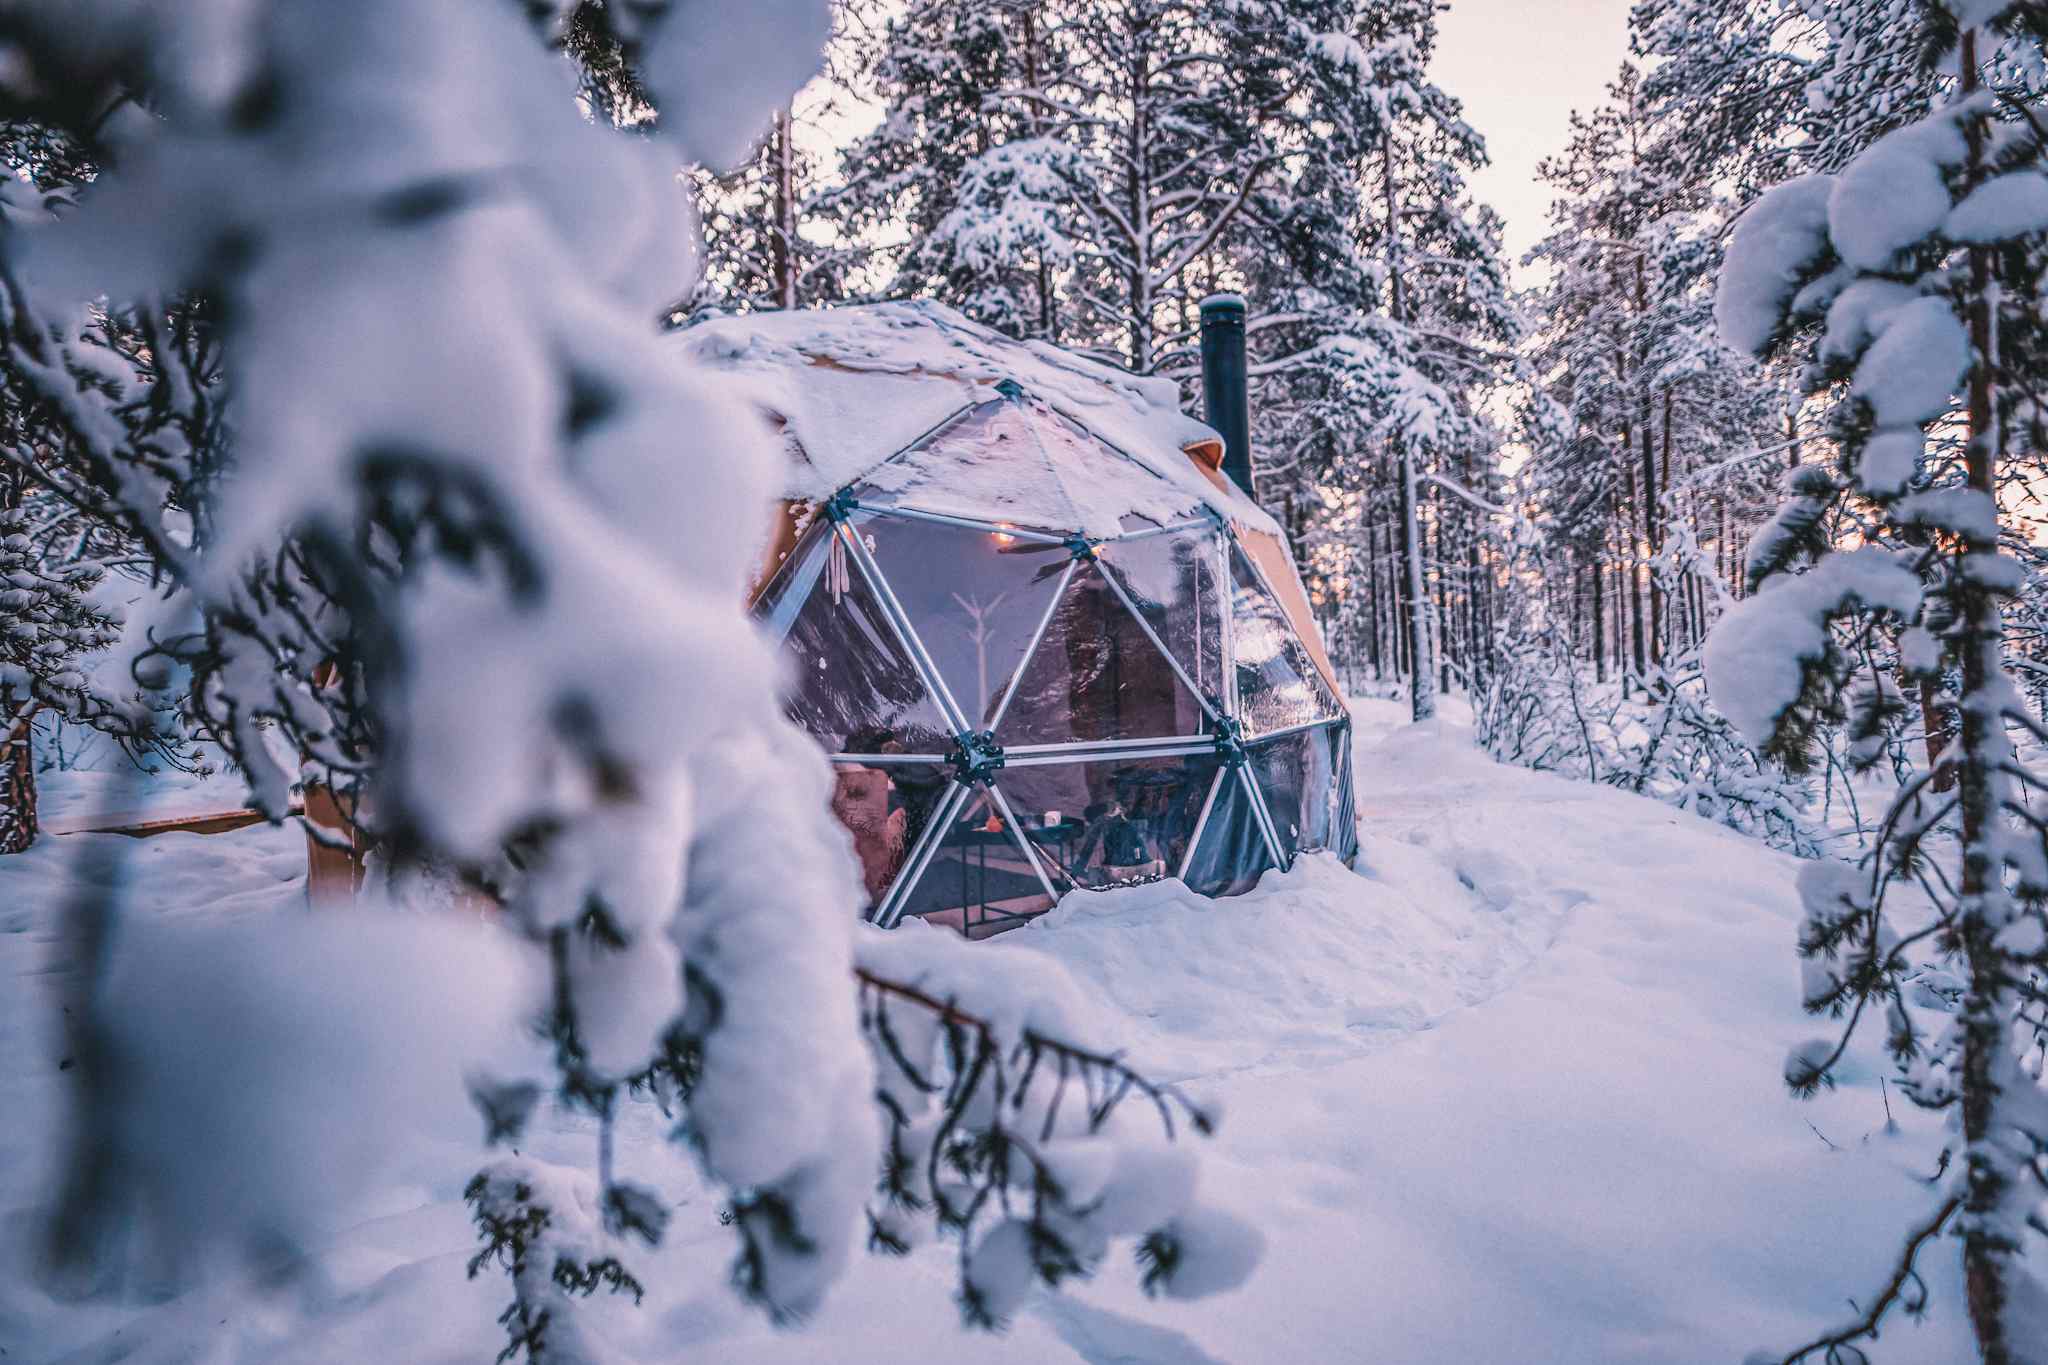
[1221, 303]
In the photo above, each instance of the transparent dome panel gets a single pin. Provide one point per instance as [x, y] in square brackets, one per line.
[852, 685]
[980, 880]
[1277, 682]
[1299, 777]
[1344, 834]
[1018, 460]
[987, 464]
[1111, 822]
[1172, 580]
[1230, 853]
[1096, 675]
[975, 599]
[789, 587]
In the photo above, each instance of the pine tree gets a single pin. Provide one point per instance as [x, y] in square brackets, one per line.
[1758, 91]
[765, 243]
[980, 231]
[1390, 320]
[1087, 173]
[1755, 95]
[1920, 255]
[49, 625]
[776, 232]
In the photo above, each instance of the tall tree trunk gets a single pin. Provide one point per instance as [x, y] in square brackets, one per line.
[1599, 580]
[1619, 614]
[1139, 204]
[1988, 1063]
[782, 257]
[1422, 664]
[1632, 559]
[1372, 594]
[1649, 494]
[1575, 593]
[1488, 622]
[1697, 598]
[1444, 639]
[1730, 571]
[1397, 583]
[1034, 125]
[1475, 644]
[18, 817]
[1656, 476]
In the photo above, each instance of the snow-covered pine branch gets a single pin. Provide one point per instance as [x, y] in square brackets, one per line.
[457, 435]
[1032, 1153]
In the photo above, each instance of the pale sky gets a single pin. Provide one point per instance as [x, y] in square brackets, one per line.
[1521, 67]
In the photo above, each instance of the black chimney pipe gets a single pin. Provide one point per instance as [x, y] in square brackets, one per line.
[1225, 405]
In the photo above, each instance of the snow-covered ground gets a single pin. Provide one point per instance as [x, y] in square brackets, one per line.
[1510, 1094]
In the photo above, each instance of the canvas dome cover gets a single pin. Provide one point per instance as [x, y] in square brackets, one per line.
[1041, 661]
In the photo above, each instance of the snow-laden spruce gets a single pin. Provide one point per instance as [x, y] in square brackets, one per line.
[1932, 333]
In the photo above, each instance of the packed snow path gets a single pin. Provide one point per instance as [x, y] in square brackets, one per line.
[1511, 1095]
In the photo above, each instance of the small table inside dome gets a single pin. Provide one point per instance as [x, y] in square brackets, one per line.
[1057, 839]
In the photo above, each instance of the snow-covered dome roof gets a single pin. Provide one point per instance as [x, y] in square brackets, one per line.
[853, 387]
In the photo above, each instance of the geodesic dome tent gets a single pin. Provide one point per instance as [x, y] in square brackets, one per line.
[1047, 644]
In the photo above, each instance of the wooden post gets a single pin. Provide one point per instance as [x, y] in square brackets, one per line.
[18, 822]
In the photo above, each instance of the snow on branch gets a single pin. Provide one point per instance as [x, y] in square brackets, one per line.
[1016, 1146]
[1778, 245]
[1761, 657]
[1030, 1151]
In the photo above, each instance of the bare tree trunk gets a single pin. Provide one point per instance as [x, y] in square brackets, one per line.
[1698, 632]
[1632, 560]
[1034, 125]
[1648, 646]
[1653, 524]
[1444, 638]
[1422, 664]
[1614, 549]
[1422, 668]
[1397, 581]
[1475, 643]
[1139, 208]
[782, 242]
[1372, 578]
[18, 817]
[1488, 622]
[1572, 592]
[1599, 580]
[1987, 1058]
